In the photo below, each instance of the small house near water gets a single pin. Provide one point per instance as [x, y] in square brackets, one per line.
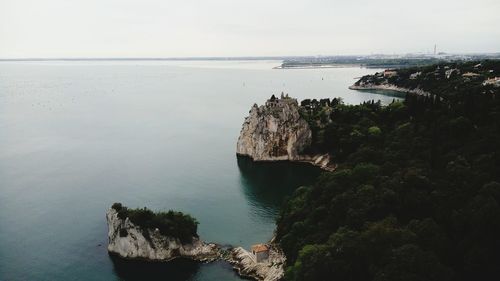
[260, 252]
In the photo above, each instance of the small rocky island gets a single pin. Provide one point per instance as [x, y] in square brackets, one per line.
[277, 131]
[164, 236]
[142, 234]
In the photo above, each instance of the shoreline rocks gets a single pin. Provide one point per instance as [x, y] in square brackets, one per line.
[322, 161]
[245, 264]
[388, 87]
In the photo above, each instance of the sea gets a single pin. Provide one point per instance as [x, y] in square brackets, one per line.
[77, 136]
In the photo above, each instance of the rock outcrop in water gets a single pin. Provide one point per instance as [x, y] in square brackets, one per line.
[130, 241]
[276, 131]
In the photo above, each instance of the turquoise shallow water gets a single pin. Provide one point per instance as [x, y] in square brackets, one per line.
[77, 136]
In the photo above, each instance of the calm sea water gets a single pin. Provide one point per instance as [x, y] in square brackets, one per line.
[77, 136]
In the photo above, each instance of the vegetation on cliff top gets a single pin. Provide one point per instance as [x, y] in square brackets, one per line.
[416, 195]
[170, 223]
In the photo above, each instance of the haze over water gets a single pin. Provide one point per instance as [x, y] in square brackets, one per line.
[77, 136]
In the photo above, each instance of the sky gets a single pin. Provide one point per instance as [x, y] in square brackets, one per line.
[195, 28]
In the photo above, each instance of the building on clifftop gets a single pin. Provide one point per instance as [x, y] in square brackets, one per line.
[390, 73]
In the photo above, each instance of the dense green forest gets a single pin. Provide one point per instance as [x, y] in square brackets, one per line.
[416, 195]
[171, 223]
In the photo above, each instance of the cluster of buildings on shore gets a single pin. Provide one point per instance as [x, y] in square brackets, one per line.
[495, 81]
[448, 73]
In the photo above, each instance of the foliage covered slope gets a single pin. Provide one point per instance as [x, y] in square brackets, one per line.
[416, 195]
[171, 223]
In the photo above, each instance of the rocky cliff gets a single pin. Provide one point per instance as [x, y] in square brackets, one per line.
[131, 241]
[274, 131]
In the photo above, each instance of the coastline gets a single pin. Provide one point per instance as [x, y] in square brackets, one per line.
[390, 87]
[130, 241]
[245, 265]
[321, 161]
[339, 65]
[318, 66]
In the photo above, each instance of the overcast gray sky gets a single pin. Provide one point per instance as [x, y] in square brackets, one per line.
[178, 28]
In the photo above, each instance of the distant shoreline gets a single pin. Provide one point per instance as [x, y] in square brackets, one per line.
[389, 87]
[151, 59]
[318, 66]
[340, 65]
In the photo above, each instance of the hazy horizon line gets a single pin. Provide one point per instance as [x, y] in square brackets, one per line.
[250, 57]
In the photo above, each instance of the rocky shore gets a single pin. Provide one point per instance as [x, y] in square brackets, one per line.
[388, 87]
[244, 263]
[386, 81]
[322, 161]
[129, 241]
[276, 131]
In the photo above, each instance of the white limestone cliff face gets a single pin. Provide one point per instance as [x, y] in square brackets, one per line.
[270, 270]
[130, 241]
[274, 131]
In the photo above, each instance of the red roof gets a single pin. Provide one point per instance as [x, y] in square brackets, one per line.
[260, 248]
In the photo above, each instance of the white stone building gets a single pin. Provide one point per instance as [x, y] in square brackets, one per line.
[260, 252]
